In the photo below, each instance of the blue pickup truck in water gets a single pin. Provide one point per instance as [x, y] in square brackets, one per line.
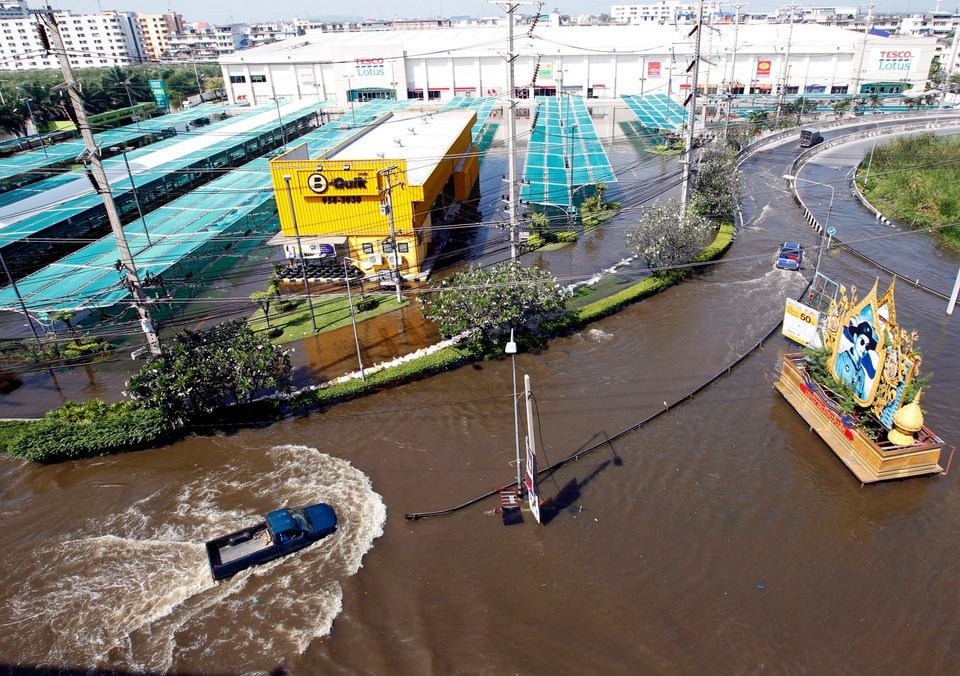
[282, 532]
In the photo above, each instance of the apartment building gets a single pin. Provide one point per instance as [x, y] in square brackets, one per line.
[158, 29]
[110, 38]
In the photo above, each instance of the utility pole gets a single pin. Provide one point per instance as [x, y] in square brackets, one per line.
[856, 76]
[949, 71]
[733, 69]
[49, 24]
[509, 58]
[692, 113]
[387, 209]
[784, 66]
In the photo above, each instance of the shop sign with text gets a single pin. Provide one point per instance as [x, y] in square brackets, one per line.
[369, 67]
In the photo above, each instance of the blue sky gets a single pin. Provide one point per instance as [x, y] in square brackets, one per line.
[241, 11]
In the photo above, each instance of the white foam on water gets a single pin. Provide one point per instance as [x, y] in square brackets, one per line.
[599, 336]
[133, 591]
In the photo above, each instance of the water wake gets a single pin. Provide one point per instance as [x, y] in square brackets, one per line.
[133, 591]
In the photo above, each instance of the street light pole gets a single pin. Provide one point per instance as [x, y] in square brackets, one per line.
[353, 317]
[35, 127]
[126, 86]
[23, 306]
[826, 223]
[283, 133]
[866, 178]
[136, 195]
[511, 349]
[303, 265]
[353, 113]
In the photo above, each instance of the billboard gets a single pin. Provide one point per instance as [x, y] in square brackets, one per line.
[800, 324]
[159, 94]
[653, 69]
[763, 67]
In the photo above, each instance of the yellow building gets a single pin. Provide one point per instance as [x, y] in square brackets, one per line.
[380, 193]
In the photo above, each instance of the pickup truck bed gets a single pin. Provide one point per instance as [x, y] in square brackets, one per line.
[243, 543]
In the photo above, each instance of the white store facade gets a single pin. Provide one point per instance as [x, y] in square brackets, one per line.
[600, 62]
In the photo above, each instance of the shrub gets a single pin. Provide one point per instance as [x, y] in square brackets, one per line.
[84, 430]
[366, 304]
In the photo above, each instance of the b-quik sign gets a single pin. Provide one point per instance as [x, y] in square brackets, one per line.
[800, 324]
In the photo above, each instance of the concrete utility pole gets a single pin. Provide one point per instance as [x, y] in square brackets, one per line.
[784, 67]
[49, 24]
[387, 208]
[733, 69]
[856, 75]
[509, 58]
[692, 113]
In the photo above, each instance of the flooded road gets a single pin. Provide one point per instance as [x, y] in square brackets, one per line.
[724, 537]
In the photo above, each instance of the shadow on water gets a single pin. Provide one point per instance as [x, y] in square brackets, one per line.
[568, 495]
[572, 490]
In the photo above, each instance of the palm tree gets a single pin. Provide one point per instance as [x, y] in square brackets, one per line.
[12, 120]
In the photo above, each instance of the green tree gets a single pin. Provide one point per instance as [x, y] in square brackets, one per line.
[718, 184]
[199, 371]
[263, 299]
[842, 106]
[668, 235]
[491, 301]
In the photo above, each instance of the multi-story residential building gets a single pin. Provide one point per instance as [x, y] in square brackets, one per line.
[205, 42]
[157, 31]
[662, 12]
[92, 40]
[13, 9]
[258, 34]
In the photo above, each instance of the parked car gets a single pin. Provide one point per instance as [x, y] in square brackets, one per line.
[790, 256]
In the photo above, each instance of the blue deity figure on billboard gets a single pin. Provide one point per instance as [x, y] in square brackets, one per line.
[857, 358]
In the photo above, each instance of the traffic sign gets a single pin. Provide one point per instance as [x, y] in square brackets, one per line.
[831, 231]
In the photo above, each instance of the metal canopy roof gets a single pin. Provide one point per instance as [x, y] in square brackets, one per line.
[34, 215]
[67, 151]
[179, 231]
[482, 105]
[564, 153]
[657, 111]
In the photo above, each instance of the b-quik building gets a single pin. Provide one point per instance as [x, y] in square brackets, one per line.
[376, 193]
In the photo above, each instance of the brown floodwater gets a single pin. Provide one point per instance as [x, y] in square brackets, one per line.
[724, 537]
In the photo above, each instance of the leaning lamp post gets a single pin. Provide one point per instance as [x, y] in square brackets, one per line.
[826, 223]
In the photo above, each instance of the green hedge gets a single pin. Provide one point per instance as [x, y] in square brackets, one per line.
[121, 427]
[645, 288]
[442, 360]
